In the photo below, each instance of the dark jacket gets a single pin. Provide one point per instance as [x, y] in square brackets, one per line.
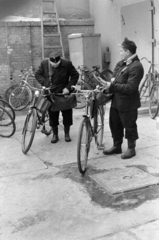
[64, 76]
[125, 87]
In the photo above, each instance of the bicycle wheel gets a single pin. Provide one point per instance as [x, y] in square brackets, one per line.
[106, 74]
[7, 124]
[81, 100]
[29, 130]
[20, 98]
[83, 145]
[98, 126]
[8, 107]
[143, 87]
[8, 91]
[154, 102]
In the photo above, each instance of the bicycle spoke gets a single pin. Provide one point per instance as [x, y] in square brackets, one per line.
[19, 98]
[99, 126]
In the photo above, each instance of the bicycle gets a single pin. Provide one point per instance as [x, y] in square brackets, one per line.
[21, 96]
[89, 80]
[89, 129]
[7, 123]
[8, 107]
[34, 120]
[151, 83]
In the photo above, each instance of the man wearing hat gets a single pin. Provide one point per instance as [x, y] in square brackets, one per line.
[126, 100]
[60, 74]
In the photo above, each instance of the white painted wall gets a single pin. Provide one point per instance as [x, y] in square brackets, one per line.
[107, 15]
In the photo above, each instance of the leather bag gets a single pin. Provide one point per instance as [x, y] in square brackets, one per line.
[42, 104]
[60, 103]
[103, 98]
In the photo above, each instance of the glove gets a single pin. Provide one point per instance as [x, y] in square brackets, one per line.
[65, 91]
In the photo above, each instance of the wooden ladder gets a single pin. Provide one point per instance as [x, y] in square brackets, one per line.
[50, 29]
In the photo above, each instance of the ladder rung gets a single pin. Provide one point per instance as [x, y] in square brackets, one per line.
[52, 35]
[56, 47]
[48, 0]
[47, 12]
[49, 23]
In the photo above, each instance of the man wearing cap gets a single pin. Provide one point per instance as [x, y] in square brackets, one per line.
[60, 74]
[126, 100]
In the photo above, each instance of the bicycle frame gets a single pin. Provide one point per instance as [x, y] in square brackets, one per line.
[147, 83]
[86, 73]
[87, 116]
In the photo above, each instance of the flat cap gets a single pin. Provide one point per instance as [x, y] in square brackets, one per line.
[55, 53]
[128, 44]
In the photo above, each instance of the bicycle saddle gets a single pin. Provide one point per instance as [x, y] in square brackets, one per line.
[96, 67]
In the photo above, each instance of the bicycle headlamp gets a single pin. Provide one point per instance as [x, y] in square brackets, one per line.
[37, 93]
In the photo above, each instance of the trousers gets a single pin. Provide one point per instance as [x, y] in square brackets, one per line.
[123, 123]
[66, 114]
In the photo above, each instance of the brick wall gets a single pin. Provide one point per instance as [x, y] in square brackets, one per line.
[20, 46]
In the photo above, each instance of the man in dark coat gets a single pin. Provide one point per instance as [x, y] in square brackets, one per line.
[60, 74]
[126, 100]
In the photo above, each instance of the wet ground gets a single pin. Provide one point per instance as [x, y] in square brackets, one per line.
[45, 197]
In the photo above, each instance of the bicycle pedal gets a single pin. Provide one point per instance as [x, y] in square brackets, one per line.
[44, 131]
[101, 147]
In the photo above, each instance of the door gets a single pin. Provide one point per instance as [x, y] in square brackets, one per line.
[136, 25]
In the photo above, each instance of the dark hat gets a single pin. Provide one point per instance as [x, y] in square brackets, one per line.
[130, 45]
[55, 56]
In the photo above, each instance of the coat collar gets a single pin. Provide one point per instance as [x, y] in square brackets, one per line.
[131, 59]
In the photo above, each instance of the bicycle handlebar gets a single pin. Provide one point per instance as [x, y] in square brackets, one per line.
[146, 60]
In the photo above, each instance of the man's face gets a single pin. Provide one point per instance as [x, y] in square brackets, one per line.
[55, 61]
[55, 65]
[124, 53]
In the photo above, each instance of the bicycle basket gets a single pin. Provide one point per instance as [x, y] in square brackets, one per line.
[42, 104]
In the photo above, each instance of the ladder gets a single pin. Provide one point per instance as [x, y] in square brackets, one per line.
[51, 38]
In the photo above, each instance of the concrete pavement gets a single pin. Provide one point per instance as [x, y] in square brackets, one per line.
[44, 197]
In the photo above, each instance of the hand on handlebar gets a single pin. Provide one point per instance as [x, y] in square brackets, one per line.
[65, 91]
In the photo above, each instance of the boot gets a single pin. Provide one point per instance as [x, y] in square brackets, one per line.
[130, 151]
[55, 137]
[116, 149]
[67, 135]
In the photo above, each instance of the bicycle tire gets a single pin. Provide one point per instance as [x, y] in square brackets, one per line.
[9, 108]
[31, 119]
[106, 75]
[7, 124]
[154, 102]
[81, 101]
[98, 126]
[2, 105]
[9, 90]
[83, 142]
[143, 87]
[19, 98]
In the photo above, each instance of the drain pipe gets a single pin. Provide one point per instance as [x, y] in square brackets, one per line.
[152, 21]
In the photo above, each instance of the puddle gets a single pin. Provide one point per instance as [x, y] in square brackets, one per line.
[99, 195]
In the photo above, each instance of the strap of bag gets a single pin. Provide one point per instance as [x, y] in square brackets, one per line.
[49, 67]
[127, 66]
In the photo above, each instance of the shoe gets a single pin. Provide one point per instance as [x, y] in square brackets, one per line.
[55, 137]
[129, 153]
[67, 135]
[113, 150]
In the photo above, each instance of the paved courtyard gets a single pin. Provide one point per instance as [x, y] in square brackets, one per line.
[44, 197]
